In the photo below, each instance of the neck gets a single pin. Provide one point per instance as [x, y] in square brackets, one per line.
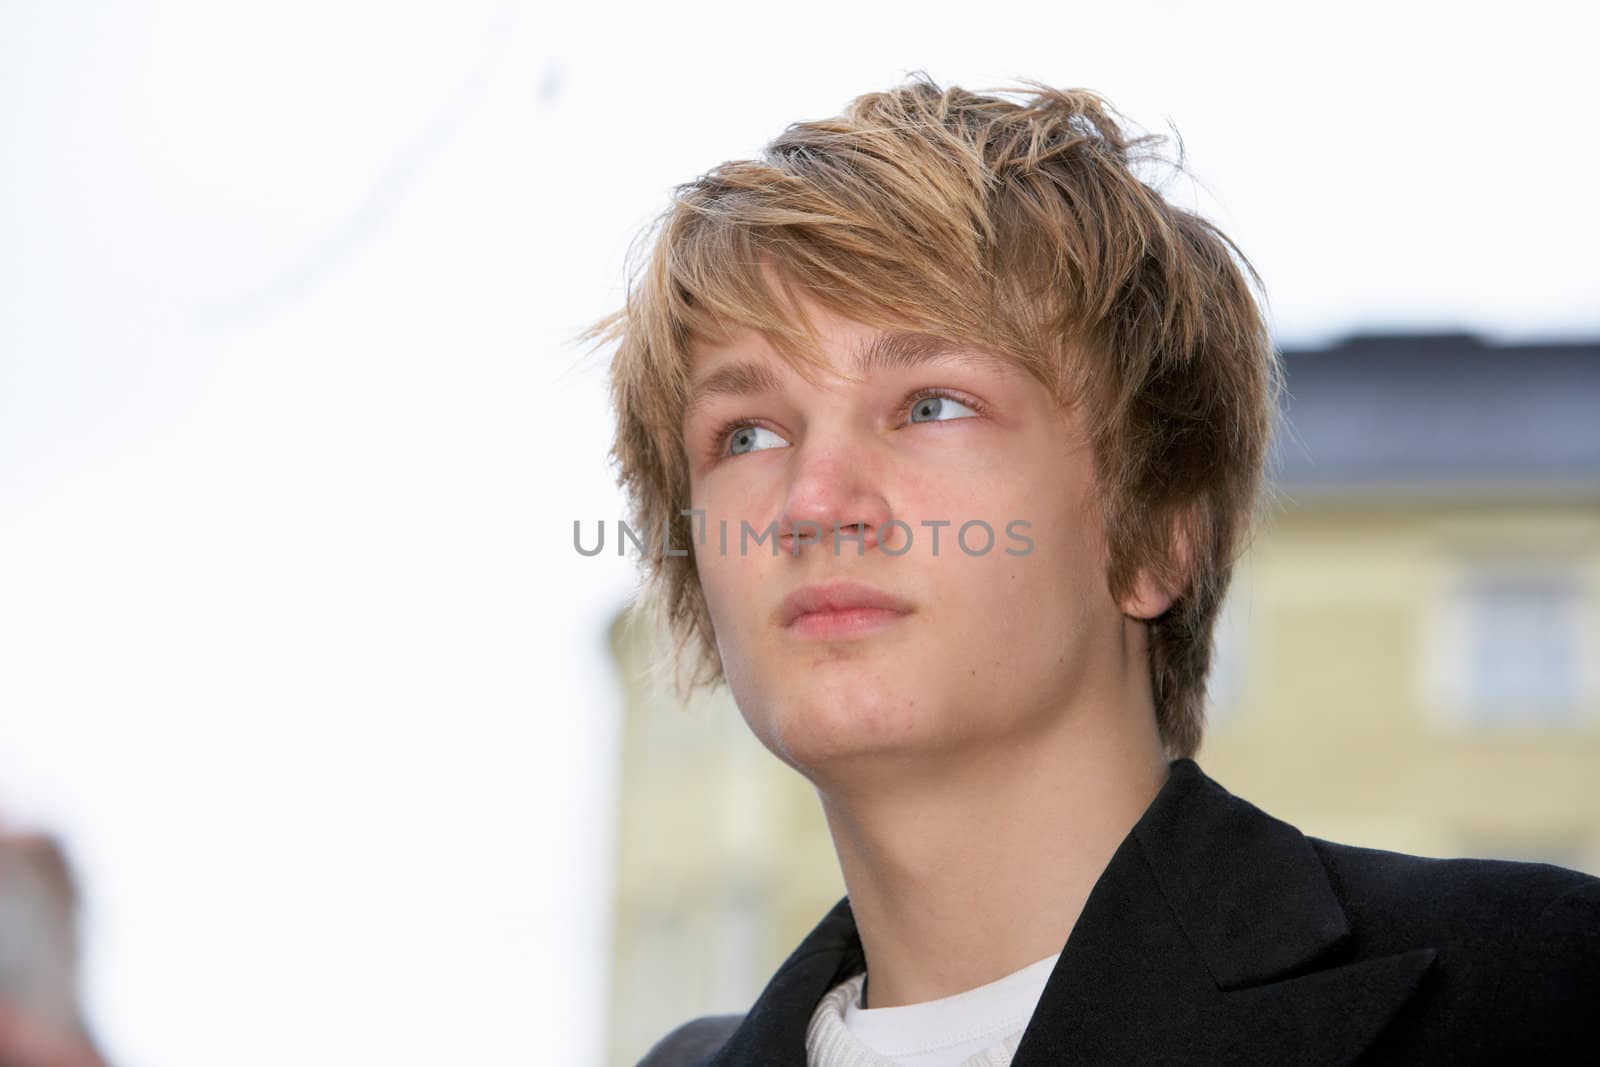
[962, 875]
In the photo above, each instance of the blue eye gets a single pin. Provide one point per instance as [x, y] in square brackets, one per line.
[932, 405]
[745, 435]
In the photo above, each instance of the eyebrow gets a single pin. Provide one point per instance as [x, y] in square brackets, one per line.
[896, 350]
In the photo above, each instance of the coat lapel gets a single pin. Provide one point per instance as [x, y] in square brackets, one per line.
[1212, 936]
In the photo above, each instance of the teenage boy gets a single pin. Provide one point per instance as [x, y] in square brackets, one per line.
[966, 425]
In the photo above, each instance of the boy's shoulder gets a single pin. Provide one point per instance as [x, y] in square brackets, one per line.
[1399, 895]
[691, 1042]
[1517, 943]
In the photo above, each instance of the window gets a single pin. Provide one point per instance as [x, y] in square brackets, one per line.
[1516, 651]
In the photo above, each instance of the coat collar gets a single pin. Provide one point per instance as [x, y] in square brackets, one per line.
[1213, 934]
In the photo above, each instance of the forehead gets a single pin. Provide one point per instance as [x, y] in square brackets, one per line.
[748, 366]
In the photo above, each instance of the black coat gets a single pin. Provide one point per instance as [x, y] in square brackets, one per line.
[1219, 934]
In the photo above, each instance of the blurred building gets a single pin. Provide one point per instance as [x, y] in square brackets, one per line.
[1407, 660]
[723, 859]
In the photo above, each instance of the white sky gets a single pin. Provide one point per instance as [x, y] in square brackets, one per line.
[295, 651]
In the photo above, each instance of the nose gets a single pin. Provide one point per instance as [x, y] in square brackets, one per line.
[836, 497]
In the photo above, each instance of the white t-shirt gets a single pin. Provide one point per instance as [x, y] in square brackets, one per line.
[979, 1028]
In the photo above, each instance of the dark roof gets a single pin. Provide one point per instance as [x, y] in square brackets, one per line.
[1440, 412]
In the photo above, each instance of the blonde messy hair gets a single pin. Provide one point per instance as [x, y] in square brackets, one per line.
[1019, 228]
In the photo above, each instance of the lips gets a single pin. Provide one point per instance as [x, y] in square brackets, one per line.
[837, 597]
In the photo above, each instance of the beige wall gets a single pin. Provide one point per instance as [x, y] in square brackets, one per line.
[1344, 724]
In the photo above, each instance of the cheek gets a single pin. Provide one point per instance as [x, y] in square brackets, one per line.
[1010, 598]
[718, 583]
[1026, 626]
[1050, 589]
[738, 589]
[710, 566]
[732, 568]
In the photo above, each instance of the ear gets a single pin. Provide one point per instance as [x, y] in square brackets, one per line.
[1149, 597]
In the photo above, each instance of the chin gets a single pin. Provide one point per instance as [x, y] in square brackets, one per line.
[815, 724]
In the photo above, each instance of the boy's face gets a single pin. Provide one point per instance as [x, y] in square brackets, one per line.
[993, 646]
